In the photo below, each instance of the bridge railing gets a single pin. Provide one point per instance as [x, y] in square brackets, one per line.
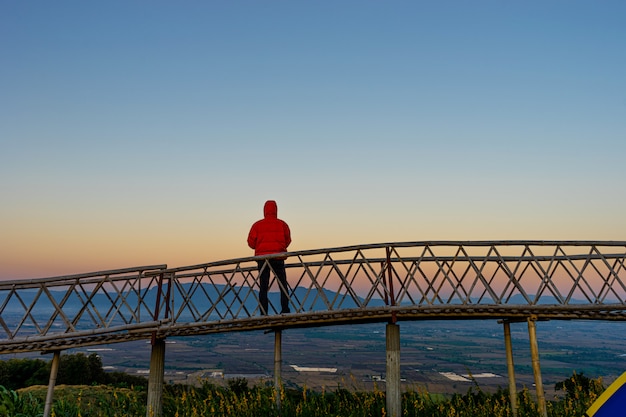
[412, 274]
[423, 276]
[79, 305]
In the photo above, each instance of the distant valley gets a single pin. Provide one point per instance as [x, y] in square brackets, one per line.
[440, 356]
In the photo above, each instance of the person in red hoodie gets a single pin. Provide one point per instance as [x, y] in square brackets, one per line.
[268, 236]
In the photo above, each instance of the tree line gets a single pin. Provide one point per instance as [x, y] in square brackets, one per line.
[74, 369]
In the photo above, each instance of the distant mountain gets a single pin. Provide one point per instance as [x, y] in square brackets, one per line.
[543, 300]
[205, 301]
[210, 302]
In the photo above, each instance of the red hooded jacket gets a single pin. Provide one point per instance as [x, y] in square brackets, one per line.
[271, 234]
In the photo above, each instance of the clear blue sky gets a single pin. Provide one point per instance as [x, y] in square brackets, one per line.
[136, 132]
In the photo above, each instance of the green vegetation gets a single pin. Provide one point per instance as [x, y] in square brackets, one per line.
[75, 369]
[239, 400]
[95, 393]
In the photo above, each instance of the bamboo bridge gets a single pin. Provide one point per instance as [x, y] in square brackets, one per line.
[508, 281]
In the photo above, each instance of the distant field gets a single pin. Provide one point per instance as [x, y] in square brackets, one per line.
[440, 356]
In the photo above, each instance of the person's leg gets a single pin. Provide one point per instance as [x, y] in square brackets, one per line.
[279, 268]
[264, 281]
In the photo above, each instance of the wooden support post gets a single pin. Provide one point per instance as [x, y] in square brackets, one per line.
[510, 366]
[54, 369]
[155, 381]
[534, 353]
[278, 361]
[393, 389]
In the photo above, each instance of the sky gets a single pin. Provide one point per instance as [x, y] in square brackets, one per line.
[149, 132]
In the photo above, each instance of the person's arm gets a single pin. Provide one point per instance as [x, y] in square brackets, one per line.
[252, 238]
[287, 235]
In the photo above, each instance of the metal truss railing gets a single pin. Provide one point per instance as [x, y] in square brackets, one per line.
[63, 309]
[420, 274]
[472, 279]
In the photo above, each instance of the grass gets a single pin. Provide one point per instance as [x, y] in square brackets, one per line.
[238, 401]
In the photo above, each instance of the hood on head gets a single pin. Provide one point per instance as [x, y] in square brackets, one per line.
[270, 209]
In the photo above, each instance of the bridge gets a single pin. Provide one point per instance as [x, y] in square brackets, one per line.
[508, 281]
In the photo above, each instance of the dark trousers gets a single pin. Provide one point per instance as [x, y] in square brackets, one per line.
[278, 266]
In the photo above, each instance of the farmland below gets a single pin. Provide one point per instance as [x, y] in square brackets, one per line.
[438, 356]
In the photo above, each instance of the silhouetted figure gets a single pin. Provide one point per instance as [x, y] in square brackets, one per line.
[268, 236]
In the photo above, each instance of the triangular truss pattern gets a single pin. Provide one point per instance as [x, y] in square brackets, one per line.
[76, 304]
[462, 276]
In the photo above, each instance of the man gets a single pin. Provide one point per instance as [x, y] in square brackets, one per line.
[268, 236]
